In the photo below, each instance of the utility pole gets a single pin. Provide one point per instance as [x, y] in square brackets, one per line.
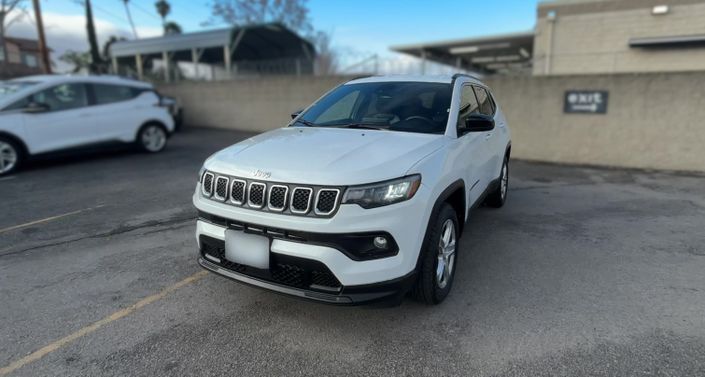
[43, 50]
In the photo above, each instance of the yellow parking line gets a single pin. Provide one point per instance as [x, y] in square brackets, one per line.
[48, 219]
[36, 355]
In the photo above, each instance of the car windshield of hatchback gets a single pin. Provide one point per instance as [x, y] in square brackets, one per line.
[10, 87]
[420, 107]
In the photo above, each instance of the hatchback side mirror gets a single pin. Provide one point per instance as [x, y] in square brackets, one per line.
[36, 107]
[296, 113]
[479, 123]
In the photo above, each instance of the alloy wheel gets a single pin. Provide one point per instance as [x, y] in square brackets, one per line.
[8, 157]
[446, 254]
[153, 138]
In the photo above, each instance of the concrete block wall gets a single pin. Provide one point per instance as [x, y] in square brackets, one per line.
[593, 37]
[654, 121]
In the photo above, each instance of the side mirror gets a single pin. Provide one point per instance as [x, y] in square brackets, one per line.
[296, 113]
[36, 107]
[479, 123]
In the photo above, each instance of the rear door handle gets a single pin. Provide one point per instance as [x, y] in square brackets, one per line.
[488, 135]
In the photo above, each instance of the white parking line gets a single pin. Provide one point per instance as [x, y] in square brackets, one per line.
[8, 178]
[52, 218]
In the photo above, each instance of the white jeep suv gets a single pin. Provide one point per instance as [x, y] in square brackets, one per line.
[41, 115]
[362, 197]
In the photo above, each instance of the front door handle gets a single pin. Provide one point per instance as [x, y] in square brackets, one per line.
[488, 135]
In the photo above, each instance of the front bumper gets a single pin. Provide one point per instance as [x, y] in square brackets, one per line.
[354, 295]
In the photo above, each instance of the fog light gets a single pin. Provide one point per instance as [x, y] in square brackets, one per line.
[380, 242]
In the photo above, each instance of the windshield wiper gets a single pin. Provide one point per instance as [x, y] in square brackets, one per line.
[306, 123]
[362, 126]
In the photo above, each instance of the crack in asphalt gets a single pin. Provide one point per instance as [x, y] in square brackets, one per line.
[117, 231]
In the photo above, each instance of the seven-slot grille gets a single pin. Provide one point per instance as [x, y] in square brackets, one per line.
[301, 200]
[255, 197]
[277, 197]
[272, 197]
[237, 191]
[207, 187]
[221, 188]
[326, 200]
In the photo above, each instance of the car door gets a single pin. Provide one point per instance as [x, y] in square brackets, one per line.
[61, 118]
[472, 147]
[118, 110]
[493, 155]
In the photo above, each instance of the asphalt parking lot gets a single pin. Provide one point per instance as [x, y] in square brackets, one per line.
[585, 272]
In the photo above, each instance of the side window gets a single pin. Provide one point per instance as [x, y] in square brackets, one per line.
[63, 97]
[341, 110]
[105, 93]
[468, 105]
[18, 105]
[483, 98]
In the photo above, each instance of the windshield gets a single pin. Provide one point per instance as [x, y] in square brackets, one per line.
[10, 87]
[396, 106]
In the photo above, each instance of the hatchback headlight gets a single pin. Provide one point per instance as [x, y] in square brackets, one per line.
[383, 193]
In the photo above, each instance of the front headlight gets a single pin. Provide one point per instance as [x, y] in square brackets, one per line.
[200, 173]
[383, 193]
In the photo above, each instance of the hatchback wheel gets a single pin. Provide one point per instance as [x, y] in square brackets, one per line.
[10, 156]
[152, 138]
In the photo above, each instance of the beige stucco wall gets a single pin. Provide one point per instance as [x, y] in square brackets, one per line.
[593, 37]
[653, 120]
[256, 104]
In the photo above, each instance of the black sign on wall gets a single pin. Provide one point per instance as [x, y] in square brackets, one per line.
[585, 101]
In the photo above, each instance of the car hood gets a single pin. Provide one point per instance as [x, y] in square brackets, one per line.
[325, 156]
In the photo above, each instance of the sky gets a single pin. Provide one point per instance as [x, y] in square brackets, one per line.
[359, 28]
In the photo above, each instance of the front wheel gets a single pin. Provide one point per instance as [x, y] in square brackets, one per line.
[10, 156]
[152, 138]
[438, 259]
[497, 197]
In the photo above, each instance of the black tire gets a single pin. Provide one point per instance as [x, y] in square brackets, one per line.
[428, 288]
[145, 133]
[11, 156]
[498, 197]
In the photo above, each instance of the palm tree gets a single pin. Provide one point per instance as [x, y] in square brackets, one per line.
[129, 17]
[163, 8]
[172, 27]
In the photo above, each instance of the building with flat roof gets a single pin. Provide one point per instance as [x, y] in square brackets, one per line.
[586, 37]
[214, 54]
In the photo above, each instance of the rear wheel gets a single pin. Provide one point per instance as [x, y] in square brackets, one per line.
[10, 156]
[438, 259]
[152, 138]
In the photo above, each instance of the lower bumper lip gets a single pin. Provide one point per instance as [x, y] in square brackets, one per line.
[357, 296]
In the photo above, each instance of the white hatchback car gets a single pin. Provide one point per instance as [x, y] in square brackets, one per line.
[55, 113]
[363, 197]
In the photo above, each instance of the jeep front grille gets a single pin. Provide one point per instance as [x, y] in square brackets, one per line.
[277, 197]
[221, 188]
[301, 200]
[284, 198]
[237, 191]
[326, 200]
[207, 187]
[255, 197]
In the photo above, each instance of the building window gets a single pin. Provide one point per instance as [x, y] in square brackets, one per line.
[30, 60]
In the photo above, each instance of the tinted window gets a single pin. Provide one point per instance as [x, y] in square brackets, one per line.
[341, 110]
[18, 105]
[62, 97]
[485, 102]
[396, 106]
[105, 93]
[468, 105]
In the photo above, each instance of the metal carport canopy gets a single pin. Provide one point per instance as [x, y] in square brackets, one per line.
[482, 54]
